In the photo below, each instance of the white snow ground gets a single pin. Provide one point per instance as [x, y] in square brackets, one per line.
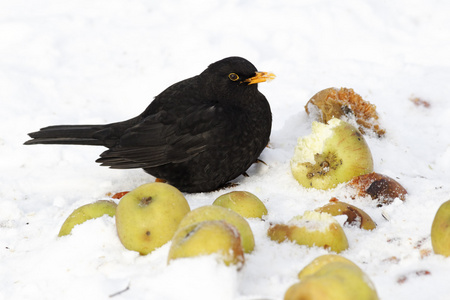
[76, 62]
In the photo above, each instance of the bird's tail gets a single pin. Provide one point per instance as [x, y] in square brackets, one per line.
[67, 134]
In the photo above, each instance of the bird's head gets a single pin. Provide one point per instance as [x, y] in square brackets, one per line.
[233, 73]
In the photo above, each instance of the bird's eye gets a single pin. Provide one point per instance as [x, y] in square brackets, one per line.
[233, 76]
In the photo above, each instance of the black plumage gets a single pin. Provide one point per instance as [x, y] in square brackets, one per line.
[198, 134]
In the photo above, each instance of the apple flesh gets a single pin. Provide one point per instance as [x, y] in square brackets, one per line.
[217, 238]
[440, 230]
[344, 103]
[311, 229]
[87, 212]
[332, 278]
[244, 203]
[148, 216]
[332, 154]
[214, 212]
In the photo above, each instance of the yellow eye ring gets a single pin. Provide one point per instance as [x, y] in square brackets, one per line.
[233, 76]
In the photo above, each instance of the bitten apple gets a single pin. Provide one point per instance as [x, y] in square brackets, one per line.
[217, 238]
[311, 229]
[148, 216]
[244, 203]
[87, 212]
[440, 230]
[332, 154]
[214, 212]
[344, 103]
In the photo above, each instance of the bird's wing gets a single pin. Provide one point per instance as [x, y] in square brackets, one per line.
[168, 137]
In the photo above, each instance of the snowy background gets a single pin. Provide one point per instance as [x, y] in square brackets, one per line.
[77, 62]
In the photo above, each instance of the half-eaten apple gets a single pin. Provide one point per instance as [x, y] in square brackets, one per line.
[332, 154]
[311, 229]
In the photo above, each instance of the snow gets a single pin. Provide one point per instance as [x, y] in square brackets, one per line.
[77, 62]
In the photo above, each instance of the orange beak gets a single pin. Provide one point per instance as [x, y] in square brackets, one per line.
[260, 77]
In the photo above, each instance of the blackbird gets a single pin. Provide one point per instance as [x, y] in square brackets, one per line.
[197, 135]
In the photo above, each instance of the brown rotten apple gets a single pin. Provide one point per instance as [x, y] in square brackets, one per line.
[332, 154]
[380, 187]
[355, 215]
[337, 103]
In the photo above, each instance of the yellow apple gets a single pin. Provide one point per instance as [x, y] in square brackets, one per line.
[332, 154]
[208, 237]
[87, 212]
[148, 216]
[319, 262]
[440, 230]
[244, 203]
[332, 278]
[311, 229]
[214, 212]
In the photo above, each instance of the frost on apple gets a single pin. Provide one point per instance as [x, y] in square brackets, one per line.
[311, 229]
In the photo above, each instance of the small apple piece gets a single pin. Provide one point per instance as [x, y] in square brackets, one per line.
[244, 203]
[332, 154]
[215, 212]
[332, 278]
[206, 238]
[355, 215]
[119, 195]
[337, 103]
[87, 212]
[311, 229]
[380, 187]
[440, 230]
[148, 216]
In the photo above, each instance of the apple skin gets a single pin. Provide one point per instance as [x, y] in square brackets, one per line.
[379, 187]
[319, 262]
[87, 212]
[440, 230]
[354, 214]
[334, 153]
[311, 229]
[214, 212]
[244, 203]
[206, 238]
[332, 279]
[148, 216]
